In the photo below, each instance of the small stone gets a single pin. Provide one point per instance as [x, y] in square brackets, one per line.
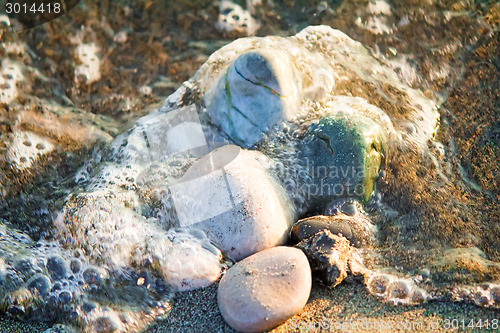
[310, 226]
[58, 268]
[265, 289]
[328, 255]
[358, 229]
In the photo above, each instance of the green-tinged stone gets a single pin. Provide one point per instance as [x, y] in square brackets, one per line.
[343, 155]
[255, 94]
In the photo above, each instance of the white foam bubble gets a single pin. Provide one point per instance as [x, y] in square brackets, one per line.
[233, 17]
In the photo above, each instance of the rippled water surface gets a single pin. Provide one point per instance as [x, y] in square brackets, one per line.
[70, 154]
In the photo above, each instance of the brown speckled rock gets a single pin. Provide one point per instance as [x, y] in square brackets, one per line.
[329, 256]
[265, 289]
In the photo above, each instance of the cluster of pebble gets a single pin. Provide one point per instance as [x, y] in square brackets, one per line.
[176, 197]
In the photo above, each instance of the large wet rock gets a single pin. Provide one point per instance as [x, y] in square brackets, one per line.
[256, 93]
[255, 84]
[231, 195]
[263, 290]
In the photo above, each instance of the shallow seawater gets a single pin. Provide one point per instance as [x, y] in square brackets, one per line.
[89, 231]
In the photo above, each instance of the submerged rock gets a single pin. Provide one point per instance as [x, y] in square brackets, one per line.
[265, 289]
[344, 155]
[255, 84]
[308, 227]
[255, 94]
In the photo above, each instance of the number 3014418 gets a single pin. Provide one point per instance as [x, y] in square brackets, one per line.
[27, 8]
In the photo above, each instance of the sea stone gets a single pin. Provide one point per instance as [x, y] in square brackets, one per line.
[187, 266]
[310, 74]
[308, 227]
[256, 93]
[329, 256]
[265, 289]
[357, 229]
[343, 155]
[231, 196]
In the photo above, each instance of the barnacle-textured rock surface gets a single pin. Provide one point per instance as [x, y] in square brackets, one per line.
[328, 255]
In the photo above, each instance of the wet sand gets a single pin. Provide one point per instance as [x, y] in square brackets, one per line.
[348, 304]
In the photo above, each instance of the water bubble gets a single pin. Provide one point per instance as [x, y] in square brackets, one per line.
[197, 233]
[26, 267]
[481, 298]
[417, 296]
[16, 310]
[41, 283]
[399, 289]
[58, 267]
[211, 248]
[88, 306]
[379, 284]
[106, 324]
[495, 294]
[92, 276]
[12, 280]
[349, 208]
[57, 286]
[75, 265]
[64, 297]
